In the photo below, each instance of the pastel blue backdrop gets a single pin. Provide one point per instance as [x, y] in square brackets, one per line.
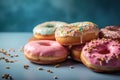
[23, 15]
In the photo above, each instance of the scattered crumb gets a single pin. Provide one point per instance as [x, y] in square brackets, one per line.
[49, 71]
[71, 67]
[10, 78]
[55, 77]
[2, 58]
[3, 51]
[11, 61]
[16, 55]
[11, 50]
[26, 66]
[21, 49]
[6, 60]
[8, 54]
[57, 65]
[11, 56]
[7, 67]
[7, 76]
[40, 68]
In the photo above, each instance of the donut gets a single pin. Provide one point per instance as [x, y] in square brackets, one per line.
[33, 39]
[45, 52]
[102, 55]
[46, 30]
[112, 32]
[77, 33]
[75, 52]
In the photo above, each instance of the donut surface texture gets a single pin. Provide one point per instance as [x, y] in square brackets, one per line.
[76, 33]
[45, 52]
[102, 55]
[46, 30]
[112, 32]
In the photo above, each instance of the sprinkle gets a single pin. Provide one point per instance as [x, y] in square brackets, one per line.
[117, 56]
[89, 50]
[57, 65]
[100, 59]
[81, 28]
[113, 45]
[92, 46]
[93, 56]
[119, 48]
[92, 42]
[107, 61]
[106, 56]
[90, 56]
[101, 63]
[85, 49]
[104, 39]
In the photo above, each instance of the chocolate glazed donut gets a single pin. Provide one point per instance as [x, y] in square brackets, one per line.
[112, 32]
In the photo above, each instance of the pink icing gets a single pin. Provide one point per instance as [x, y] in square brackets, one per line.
[103, 52]
[45, 48]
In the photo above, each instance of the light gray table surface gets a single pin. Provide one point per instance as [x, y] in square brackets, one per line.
[64, 72]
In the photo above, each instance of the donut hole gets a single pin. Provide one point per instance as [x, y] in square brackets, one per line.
[45, 44]
[49, 26]
[113, 28]
[103, 50]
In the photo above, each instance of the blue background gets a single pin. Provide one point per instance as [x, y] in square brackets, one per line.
[23, 15]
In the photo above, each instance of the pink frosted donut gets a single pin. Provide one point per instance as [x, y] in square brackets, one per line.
[45, 52]
[102, 55]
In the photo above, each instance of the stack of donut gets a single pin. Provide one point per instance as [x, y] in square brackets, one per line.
[54, 41]
[42, 48]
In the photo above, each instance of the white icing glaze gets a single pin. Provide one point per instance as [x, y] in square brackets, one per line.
[76, 29]
[47, 28]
